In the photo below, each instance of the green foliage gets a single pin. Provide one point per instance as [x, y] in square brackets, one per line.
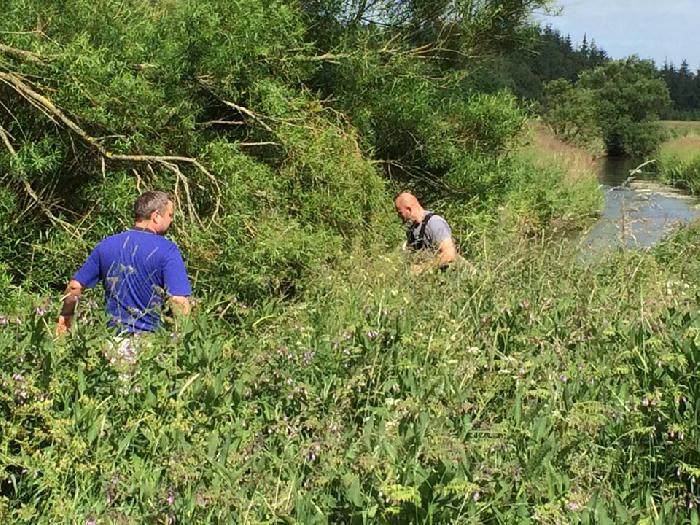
[282, 106]
[571, 113]
[683, 174]
[619, 101]
[628, 96]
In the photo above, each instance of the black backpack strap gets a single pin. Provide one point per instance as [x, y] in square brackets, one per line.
[423, 225]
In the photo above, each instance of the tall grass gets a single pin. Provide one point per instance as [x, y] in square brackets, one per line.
[539, 390]
[682, 128]
[679, 158]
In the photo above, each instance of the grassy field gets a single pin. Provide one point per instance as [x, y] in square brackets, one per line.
[682, 128]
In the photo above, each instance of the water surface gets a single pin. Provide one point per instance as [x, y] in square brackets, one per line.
[638, 211]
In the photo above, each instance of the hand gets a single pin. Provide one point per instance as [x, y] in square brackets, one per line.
[64, 325]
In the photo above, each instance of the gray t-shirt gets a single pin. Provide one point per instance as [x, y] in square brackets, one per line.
[436, 231]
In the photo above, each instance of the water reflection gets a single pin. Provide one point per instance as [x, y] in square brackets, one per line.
[638, 212]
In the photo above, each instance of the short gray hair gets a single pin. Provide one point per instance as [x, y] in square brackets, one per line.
[148, 202]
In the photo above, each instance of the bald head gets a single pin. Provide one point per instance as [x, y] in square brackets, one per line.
[408, 208]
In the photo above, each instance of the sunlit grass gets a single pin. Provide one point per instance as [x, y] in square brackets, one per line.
[544, 149]
[682, 128]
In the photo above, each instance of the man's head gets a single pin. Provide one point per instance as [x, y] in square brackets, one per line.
[408, 208]
[154, 210]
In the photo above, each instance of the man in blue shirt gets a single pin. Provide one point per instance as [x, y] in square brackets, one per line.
[138, 269]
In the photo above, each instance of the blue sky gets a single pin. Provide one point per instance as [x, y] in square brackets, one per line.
[657, 29]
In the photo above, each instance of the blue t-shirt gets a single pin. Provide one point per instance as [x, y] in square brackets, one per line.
[137, 269]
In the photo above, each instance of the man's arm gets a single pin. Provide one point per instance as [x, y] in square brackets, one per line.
[445, 255]
[73, 292]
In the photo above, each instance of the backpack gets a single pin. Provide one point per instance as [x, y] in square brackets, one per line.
[417, 242]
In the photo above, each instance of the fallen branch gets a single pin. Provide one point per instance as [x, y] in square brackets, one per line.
[25, 55]
[209, 123]
[48, 107]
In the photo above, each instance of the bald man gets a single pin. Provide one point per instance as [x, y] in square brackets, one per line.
[426, 231]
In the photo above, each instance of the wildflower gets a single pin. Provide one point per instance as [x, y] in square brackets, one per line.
[90, 521]
[171, 497]
[563, 378]
[4, 319]
[18, 377]
[308, 357]
[347, 336]
[573, 506]
[372, 334]
[476, 496]
[41, 311]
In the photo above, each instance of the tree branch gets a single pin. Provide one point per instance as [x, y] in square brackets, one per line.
[48, 107]
[21, 53]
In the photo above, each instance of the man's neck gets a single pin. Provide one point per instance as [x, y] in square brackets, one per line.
[144, 227]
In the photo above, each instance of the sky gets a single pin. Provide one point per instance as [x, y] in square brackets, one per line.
[657, 29]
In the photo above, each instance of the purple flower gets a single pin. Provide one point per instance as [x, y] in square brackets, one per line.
[4, 319]
[18, 377]
[41, 311]
[90, 521]
[171, 498]
[372, 334]
[573, 506]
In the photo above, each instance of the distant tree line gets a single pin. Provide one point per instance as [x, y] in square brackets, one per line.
[684, 89]
[553, 56]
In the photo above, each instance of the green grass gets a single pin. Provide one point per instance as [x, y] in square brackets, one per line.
[679, 157]
[682, 128]
[539, 390]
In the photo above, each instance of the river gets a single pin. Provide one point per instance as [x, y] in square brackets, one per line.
[638, 211]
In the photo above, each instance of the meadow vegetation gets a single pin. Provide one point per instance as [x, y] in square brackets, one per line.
[679, 156]
[317, 381]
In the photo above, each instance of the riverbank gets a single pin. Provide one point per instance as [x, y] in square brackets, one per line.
[679, 156]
